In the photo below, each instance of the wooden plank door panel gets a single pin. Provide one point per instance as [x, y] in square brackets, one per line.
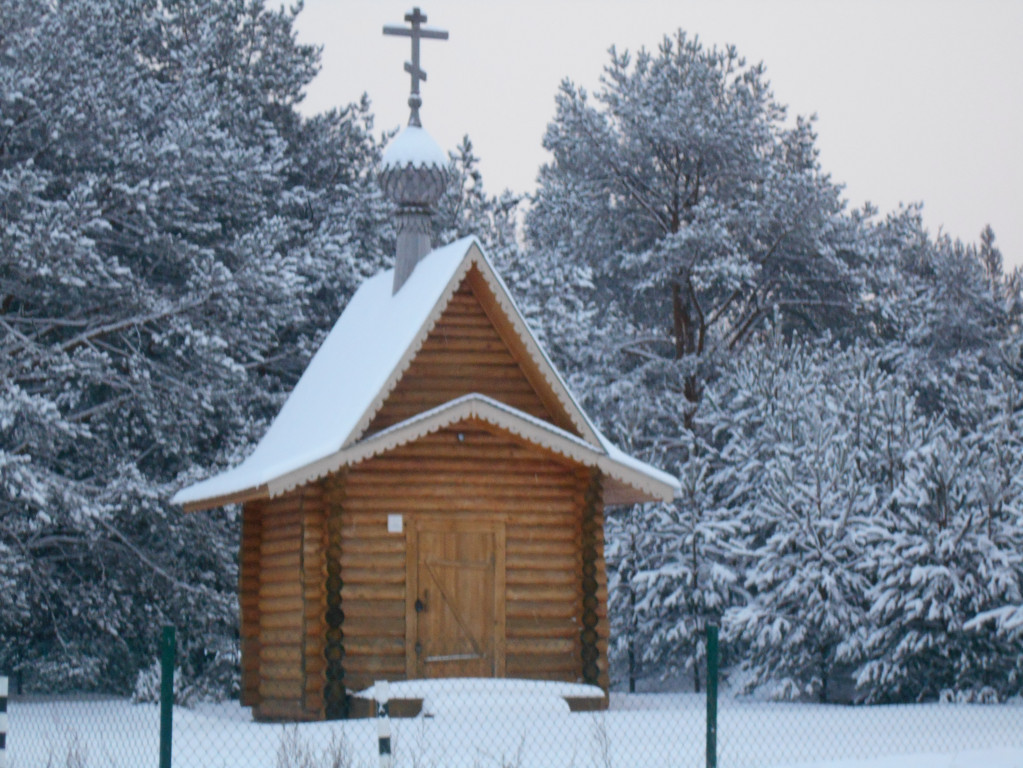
[455, 602]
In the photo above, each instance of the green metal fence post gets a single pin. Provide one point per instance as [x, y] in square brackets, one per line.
[712, 696]
[167, 650]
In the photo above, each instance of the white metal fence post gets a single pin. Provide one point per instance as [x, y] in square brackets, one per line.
[3, 722]
[383, 697]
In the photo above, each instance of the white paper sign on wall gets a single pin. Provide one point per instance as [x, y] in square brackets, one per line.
[394, 524]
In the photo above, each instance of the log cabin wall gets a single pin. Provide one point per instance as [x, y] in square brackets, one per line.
[596, 627]
[468, 473]
[290, 606]
[248, 601]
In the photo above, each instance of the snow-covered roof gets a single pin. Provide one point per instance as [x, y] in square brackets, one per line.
[415, 147]
[361, 361]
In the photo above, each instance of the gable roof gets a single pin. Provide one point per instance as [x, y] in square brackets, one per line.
[360, 362]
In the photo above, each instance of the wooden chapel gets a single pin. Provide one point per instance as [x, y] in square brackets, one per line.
[429, 501]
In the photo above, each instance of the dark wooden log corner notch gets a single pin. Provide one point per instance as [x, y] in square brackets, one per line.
[429, 501]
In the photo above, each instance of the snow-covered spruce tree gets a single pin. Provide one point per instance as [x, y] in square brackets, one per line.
[679, 216]
[943, 308]
[799, 431]
[945, 558]
[683, 574]
[172, 231]
[466, 208]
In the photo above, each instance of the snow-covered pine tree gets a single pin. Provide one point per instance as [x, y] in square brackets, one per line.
[167, 250]
[800, 431]
[681, 215]
[947, 550]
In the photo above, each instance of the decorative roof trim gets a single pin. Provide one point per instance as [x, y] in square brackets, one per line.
[475, 257]
[482, 408]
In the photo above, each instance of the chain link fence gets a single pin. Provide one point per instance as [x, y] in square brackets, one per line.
[503, 724]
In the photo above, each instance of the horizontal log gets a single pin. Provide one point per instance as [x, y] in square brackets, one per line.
[455, 320]
[441, 342]
[482, 331]
[285, 507]
[288, 559]
[280, 636]
[453, 449]
[540, 646]
[524, 609]
[382, 467]
[373, 575]
[279, 505]
[281, 671]
[538, 592]
[282, 690]
[457, 311]
[549, 533]
[354, 542]
[538, 496]
[385, 561]
[532, 577]
[373, 646]
[373, 592]
[406, 504]
[382, 626]
[290, 532]
[543, 667]
[430, 357]
[361, 609]
[516, 560]
[291, 588]
[289, 654]
[479, 432]
[454, 475]
[463, 297]
[280, 575]
[559, 548]
[519, 628]
[283, 620]
[280, 604]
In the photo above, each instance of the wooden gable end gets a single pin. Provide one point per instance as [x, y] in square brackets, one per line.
[473, 347]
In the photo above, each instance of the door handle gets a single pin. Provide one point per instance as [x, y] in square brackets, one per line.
[420, 606]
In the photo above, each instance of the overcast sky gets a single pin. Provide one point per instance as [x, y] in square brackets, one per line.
[916, 101]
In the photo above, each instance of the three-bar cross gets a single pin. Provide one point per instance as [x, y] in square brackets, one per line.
[416, 18]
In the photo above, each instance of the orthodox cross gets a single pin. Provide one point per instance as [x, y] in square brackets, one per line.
[416, 18]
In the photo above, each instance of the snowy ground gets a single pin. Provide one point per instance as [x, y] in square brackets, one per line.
[472, 725]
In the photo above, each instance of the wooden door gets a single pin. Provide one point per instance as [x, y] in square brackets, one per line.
[456, 595]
